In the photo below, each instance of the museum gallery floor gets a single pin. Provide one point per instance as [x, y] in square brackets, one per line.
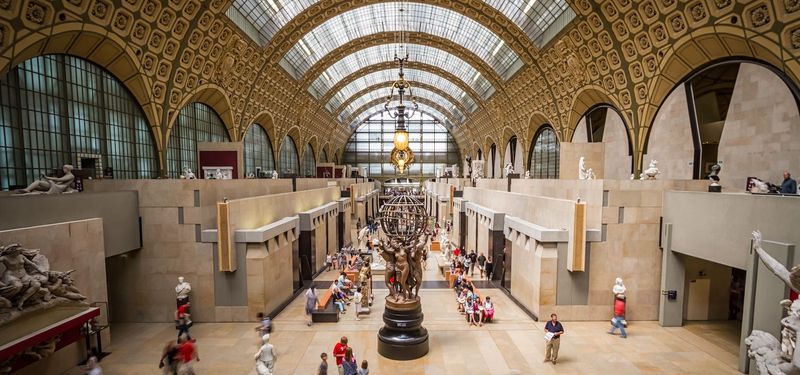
[511, 345]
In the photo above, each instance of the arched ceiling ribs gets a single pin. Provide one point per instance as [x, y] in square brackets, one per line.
[459, 117]
[391, 65]
[387, 38]
[419, 54]
[412, 75]
[380, 17]
[435, 110]
[384, 86]
[320, 12]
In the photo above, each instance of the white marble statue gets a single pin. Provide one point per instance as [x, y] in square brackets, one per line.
[52, 185]
[27, 284]
[583, 172]
[218, 174]
[527, 175]
[773, 356]
[274, 174]
[182, 291]
[477, 169]
[619, 287]
[265, 357]
[651, 171]
[759, 186]
[509, 169]
[188, 174]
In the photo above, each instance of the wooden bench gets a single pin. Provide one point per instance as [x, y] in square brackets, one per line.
[326, 310]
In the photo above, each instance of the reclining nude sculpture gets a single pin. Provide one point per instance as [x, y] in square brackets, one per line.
[52, 185]
[27, 283]
[774, 356]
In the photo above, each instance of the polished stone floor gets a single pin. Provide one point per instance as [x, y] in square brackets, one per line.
[513, 344]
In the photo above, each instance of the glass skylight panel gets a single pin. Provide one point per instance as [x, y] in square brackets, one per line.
[534, 17]
[421, 17]
[382, 93]
[390, 75]
[269, 16]
[418, 54]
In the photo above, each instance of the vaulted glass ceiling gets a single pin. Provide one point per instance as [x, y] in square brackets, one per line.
[390, 75]
[534, 17]
[418, 54]
[419, 92]
[420, 17]
[377, 108]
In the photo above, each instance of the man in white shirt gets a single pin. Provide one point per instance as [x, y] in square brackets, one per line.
[265, 358]
[357, 297]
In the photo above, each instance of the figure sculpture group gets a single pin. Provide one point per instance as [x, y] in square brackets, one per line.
[28, 282]
[404, 267]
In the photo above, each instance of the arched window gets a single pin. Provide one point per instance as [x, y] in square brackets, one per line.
[371, 146]
[309, 164]
[59, 109]
[258, 151]
[492, 160]
[290, 163]
[544, 154]
[323, 157]
[196, 122]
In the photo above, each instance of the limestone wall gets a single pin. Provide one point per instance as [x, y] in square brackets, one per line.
[570, 156]
[173, 213]
[533, 276]
[761, 137]
[617, 160]
[269, 277]
[670, 140]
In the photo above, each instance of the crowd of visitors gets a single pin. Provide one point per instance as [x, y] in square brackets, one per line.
[470, 303]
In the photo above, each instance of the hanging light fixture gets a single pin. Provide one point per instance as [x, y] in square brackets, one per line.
[399, 112]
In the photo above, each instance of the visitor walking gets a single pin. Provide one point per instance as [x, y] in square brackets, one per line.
[265, 324]
[357, 296]
[363, 370]
[183, 320]
[349, 364]
[489, 268]
[169, 358]
[481, 263]
[323, 366]
[618, 321]
[553, 331]
[473, 259]
[339, 351]
[265, 357]
[187, 352]
[311, 303]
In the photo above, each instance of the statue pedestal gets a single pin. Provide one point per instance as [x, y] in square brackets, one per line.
[715, 188]
[403, 337]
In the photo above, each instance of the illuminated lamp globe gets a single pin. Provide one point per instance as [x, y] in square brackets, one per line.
[401, 139]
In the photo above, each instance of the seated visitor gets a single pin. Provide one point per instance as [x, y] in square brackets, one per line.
[488, 310]
[471, 308]
[339, 301]
[462, 299]
[343, 282]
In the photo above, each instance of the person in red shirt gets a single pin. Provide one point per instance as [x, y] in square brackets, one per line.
[187, 352]
[183, 320]
[339, 351]
[455, 252]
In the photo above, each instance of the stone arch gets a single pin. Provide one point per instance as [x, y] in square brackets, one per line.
[85, 40]
[213, 96]
[678, 64]
[585, 99]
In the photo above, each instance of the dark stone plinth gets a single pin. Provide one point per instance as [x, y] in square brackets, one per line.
[403, 337]
[715, 188]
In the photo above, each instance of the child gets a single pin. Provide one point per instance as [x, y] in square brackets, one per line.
[357, 297]
[488, 310]
[323, 366]
[363, 370]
